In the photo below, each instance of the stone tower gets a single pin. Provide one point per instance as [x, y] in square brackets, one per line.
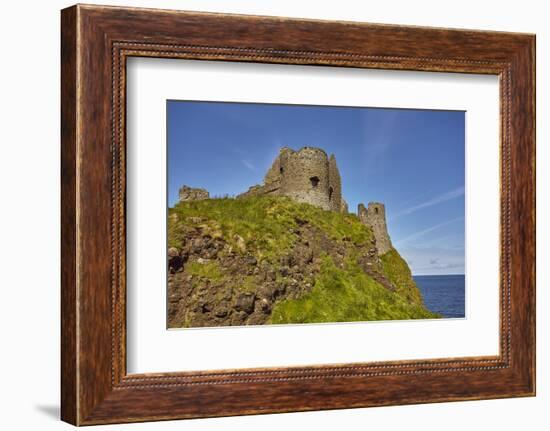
[375, 217]
[306, 175]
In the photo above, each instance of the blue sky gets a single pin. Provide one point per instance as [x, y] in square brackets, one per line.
[411, 160]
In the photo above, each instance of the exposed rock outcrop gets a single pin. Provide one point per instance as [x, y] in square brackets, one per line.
[218, 277]
[187, 193]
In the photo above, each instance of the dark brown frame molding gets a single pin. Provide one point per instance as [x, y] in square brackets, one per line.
[95, 43]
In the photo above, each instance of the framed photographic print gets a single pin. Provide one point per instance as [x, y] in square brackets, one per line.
[267, 215]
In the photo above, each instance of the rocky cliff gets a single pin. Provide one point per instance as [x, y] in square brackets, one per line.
[260, 260]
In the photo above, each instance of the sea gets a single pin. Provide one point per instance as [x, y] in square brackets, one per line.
[443, 294]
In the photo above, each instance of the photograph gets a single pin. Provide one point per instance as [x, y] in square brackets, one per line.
[305, 214]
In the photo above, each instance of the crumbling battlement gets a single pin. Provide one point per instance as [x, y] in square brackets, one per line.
[375, 217]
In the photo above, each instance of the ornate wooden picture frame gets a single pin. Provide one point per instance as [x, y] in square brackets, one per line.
[96, 41]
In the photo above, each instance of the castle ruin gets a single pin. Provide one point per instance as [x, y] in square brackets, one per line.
[310, 176]
[375, 217]
[307, 175]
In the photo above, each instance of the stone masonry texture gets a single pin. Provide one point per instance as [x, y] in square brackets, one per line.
[306, 175]
[375, 217]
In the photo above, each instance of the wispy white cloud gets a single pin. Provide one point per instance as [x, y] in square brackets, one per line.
[435, 260]
[249, 165]
[427, 230]
[444, 197]
[445, 241]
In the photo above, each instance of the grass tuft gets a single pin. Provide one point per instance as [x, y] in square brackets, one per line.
[210, 270]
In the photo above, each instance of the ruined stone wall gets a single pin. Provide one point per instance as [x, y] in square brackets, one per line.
[375, 217]
[343, 206]
[187, 193]
[271, 189]
[305, 176]
[274, 173]
[335, 186]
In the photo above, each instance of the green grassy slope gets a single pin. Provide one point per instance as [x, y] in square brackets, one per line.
[349, 283]
[266, 224]
[346, 295]
[397, 270]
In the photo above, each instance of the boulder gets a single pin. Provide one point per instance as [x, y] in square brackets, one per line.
[245, 302]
